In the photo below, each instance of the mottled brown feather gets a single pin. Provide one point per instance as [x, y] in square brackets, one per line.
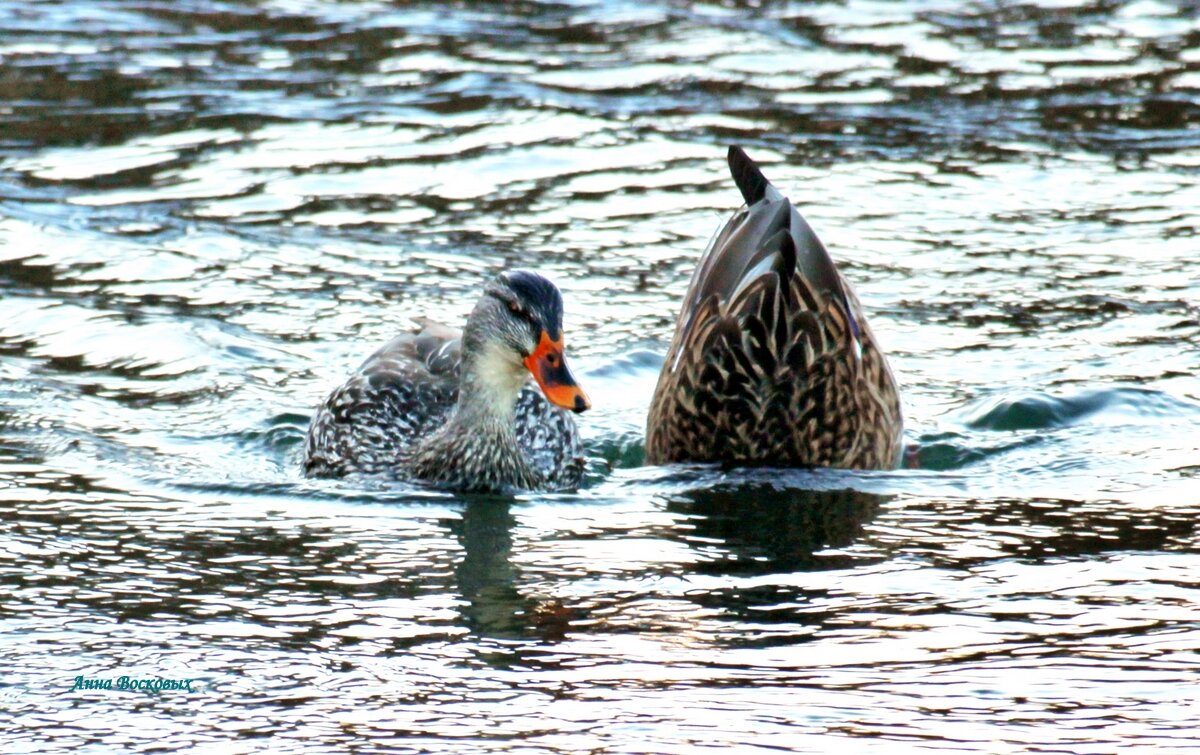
[772, 361]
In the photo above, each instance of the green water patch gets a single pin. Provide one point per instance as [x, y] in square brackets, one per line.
[1115, 406]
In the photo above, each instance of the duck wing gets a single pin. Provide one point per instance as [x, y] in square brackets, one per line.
[400, 393]
[772, 361]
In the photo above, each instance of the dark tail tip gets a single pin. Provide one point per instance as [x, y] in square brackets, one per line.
[787, 252]
[749, 179]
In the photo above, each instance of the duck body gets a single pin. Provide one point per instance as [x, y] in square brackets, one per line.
[772, 361]
[457, 409]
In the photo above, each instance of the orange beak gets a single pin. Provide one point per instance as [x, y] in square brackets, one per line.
[550, 370]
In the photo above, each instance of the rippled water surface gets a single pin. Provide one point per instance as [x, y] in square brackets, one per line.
[210, 212]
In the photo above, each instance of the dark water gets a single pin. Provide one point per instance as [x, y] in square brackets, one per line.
[211, 211]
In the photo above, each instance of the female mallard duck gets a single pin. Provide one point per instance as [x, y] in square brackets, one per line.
[457, 410]
[772, 362]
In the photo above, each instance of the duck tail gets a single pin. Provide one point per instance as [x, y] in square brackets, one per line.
[748, 177]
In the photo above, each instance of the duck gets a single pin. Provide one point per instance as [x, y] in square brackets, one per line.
[457, 409]
[772, 362]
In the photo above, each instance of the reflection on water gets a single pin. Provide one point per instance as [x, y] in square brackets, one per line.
[210, 212]
[487, 578]
[750, 530]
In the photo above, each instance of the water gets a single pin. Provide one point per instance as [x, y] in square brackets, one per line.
[210, 212]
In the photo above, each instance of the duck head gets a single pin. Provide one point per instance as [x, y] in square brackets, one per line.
[517, 327]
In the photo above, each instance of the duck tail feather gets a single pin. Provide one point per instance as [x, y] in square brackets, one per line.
[746, 174]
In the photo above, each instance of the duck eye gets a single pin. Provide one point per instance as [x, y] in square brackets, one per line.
[514, 307]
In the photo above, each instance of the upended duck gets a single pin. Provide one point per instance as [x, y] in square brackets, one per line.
[772, 362]
[455, 409]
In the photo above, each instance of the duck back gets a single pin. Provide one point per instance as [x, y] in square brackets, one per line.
[772, 361]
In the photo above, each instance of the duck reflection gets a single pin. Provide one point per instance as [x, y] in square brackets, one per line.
[761, 529]
[756, 530]
[744, 530]
[487, 578]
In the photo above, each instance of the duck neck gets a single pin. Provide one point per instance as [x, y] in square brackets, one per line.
[489, 382]
[477, 448]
